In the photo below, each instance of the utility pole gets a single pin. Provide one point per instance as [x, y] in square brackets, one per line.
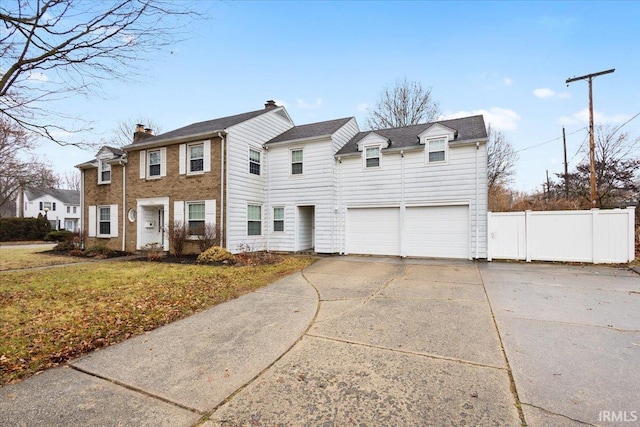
[592, 144]
[566, 166]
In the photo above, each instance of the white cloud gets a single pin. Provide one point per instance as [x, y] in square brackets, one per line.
[38, 77]
[309, 106]
[549, 93]
[582, 117]
[500, 118]
[363, 107]
[507, 81]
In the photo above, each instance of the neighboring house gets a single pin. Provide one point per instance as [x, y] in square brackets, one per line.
[60, 207]
[269, 185]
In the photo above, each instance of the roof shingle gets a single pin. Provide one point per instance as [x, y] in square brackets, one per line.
[310, 130]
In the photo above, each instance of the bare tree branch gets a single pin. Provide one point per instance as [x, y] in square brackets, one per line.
[501, 159]
[407, 103]
[54, 49]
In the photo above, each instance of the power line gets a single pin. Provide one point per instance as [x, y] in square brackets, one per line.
[625, 123]
[548, 142]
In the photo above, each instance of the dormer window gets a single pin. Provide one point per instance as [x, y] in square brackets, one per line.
[437, 150]
[104, 172]
[372, 157]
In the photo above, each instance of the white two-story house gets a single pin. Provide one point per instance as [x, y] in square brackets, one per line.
[60, 207]
[269, 185]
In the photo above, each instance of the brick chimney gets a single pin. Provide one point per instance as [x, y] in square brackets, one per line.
[270, 104]
[141, 133]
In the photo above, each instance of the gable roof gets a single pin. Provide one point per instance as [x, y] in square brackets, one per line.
[467, 129]
[68, 197]
[194, 129]
[311, 130]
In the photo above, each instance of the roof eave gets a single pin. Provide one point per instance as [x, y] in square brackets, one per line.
[176, 140]
[299, 140]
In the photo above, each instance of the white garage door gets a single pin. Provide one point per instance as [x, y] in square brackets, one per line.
[374, 231]
[437, 231]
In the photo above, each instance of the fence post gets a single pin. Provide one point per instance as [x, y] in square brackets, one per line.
[489, 237]
[527, 235]
[631, 210]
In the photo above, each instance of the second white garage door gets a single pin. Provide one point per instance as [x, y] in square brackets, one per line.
[437, 231]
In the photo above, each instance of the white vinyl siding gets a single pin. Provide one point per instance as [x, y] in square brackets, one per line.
[453, 184]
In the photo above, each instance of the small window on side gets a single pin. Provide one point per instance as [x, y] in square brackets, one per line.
[372, 157]
[254, 162]
[278, 219]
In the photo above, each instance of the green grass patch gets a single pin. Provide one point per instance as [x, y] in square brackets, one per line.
[51, 316]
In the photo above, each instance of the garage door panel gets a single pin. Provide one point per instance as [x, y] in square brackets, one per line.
[374, 231]
[437, 231]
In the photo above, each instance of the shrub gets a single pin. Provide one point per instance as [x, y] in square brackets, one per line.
[58, 236]
[99, 250]
[16, 229]
[178, 235]
[208, 237]
[216, 255]
[154, 251]
[65, 246]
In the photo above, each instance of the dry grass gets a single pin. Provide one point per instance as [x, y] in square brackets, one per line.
[17, 257]
[50, 316]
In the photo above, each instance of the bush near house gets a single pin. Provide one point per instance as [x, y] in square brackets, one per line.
[216, 255]
[17, 229]
[60, 236]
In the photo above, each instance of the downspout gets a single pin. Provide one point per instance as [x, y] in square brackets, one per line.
[268, 210]
[124, 205]
[402, 207]
[222, 183]
[83, 225]
[341, 229]
[476, 201]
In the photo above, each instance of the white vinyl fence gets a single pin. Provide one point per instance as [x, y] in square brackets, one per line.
[597, 236]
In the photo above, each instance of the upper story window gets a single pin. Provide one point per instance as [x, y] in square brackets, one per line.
[296, 162]
[254, 161]
[436, 149]
[68, 209]
[154, 163]
[372, 157]
[104, 172]
[196, 158]
[278, 219]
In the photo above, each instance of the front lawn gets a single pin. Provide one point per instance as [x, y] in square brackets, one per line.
[12, 258]
[50, 316]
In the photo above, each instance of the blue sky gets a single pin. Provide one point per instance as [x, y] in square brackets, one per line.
[326, 60]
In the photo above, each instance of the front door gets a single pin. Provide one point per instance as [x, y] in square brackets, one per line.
[152, 225]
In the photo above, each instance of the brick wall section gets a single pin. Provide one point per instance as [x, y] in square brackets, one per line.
[204, 186]
[103, 194]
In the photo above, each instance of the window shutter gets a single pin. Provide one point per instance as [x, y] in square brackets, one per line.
[41, 206]
[163, 161]
[210, 212]
[183, 159]
[92, 221]
[207, 159]
[178, 211]
[114, 220]
[143, 164]
[53, 206]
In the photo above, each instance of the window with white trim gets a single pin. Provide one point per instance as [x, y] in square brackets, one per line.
[196, 158]
[436, 149]
[195, 212]
[68, 209]
[254, 220]
[104, 221]
[296, 162]
[278, 219]
[372, 157]
[154, 159]
[254, 161]
[104, 172]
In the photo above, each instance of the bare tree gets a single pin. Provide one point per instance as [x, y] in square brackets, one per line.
[55, 49]
[16, 172]
[617, 156]
[407, 103]
[70, 180]
[123, 134]
[501, 159]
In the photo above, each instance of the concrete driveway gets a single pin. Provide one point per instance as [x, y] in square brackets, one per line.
[371, 341]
